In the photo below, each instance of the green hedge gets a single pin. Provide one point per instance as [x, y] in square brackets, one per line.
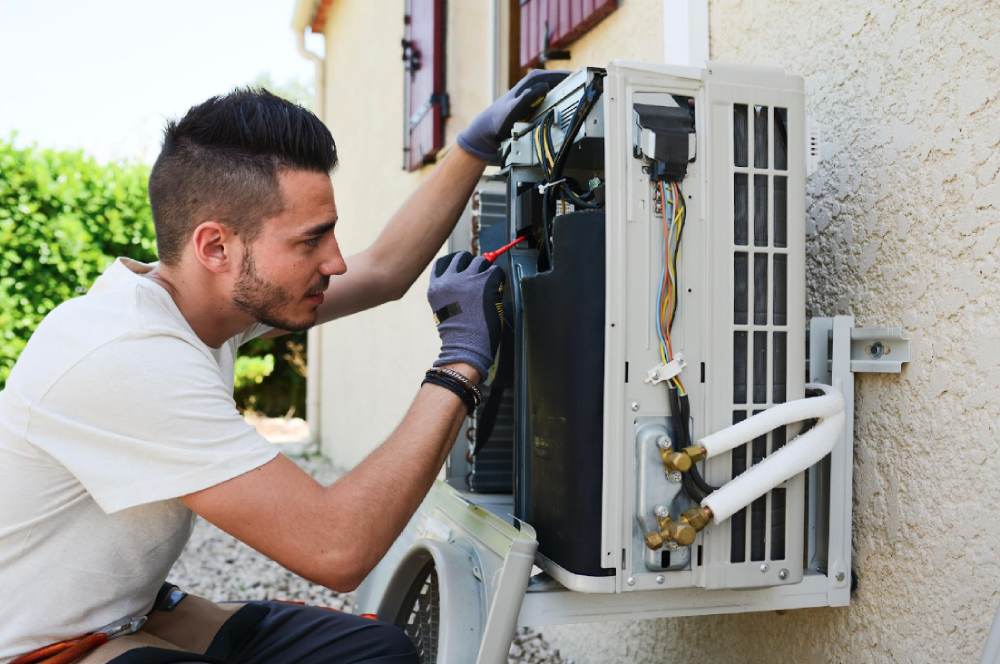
[63, 218]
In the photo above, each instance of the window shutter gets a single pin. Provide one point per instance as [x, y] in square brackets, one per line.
[548, 25]
[425, 100]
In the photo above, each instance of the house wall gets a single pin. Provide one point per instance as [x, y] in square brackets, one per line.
[904, 222]
[372, 363]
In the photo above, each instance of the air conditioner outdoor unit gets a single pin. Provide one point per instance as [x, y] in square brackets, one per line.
[655, 310]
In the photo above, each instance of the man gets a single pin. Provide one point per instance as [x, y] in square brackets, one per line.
[117, 424]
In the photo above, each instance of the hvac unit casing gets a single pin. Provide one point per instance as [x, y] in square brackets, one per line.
[566, 503]
[585, 464]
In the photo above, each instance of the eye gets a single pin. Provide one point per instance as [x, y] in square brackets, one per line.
[313, 242]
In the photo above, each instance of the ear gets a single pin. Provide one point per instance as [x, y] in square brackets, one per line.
[213, 245]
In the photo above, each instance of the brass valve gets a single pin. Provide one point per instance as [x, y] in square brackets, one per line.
[697, 517]
[670, 531]
[682, 460]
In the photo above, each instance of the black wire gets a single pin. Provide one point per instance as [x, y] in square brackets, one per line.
[590, 96]
[692, 489]
[546, 224]
[692, 481]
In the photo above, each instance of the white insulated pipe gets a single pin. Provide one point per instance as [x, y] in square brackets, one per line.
[830, 403]
[795, 457]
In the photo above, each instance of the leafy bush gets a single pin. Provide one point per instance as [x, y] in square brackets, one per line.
[63, 218]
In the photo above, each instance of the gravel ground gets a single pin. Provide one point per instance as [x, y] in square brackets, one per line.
[219, 567]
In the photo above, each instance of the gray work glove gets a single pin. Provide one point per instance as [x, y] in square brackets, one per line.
[483, 136]
[465, 295]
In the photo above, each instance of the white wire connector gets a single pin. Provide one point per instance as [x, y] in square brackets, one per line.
[663, 372]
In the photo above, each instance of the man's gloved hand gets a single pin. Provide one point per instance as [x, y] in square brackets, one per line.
[465, 295]
[483, 136]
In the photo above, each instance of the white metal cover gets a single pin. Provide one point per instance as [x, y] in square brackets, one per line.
[706, 326]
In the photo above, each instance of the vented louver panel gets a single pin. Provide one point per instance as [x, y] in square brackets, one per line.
[760, 313]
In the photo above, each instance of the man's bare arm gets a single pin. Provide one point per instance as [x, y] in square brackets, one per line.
[335, 535]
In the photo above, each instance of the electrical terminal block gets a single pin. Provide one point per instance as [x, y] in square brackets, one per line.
[663, 372]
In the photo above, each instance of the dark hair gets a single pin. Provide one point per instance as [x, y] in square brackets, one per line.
[222, 160]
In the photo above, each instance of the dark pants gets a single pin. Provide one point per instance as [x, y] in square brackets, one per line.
[276, 632]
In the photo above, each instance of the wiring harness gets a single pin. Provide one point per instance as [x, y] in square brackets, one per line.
[555, 185]
[670, 201]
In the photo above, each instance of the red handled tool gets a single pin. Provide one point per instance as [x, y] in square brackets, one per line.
[71, 650]
[491, 256]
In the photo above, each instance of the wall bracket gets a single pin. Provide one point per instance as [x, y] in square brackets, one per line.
[879, 349]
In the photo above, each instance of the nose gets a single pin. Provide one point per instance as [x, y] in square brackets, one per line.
[334, 263]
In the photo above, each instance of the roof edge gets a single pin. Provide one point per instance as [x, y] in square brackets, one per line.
[310, 14]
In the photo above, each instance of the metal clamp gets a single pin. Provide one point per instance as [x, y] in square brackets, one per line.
[879, 349]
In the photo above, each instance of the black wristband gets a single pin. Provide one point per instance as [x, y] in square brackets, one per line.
[477, 394]
[453, 386]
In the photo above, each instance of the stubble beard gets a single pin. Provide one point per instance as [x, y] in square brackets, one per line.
[263, 300]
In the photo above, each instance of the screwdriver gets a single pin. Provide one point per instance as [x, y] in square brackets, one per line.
[491, 256]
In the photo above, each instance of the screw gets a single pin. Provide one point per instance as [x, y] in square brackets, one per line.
[660, 579]
[877, 349]
[783, 574]
[635, 406]
[674, 477]
[663, 442]
[763, 568]
[840, 576]
[661, 510]
[630, 581]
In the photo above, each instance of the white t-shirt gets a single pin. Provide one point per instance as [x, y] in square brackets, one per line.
[114, 409]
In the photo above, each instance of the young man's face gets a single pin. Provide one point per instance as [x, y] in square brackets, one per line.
[286, 269]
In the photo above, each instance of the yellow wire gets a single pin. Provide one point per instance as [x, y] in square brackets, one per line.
[548, 153]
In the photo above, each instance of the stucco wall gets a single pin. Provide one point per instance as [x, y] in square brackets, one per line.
[372, 363]
[904, 216]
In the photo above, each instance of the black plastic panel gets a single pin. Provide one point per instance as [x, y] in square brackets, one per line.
[760, 135]
[740, 135]
[738, 521]
[741, 201]
[563, 328]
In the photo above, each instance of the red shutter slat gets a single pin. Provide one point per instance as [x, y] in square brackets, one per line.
[551, 26]
[527, 40]
[566, 21]
[536, 26]
[581, 9]
[424, 82]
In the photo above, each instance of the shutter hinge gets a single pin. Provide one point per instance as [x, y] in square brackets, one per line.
[444, 101]
[440, 99]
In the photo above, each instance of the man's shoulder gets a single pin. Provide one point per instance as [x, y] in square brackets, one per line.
[90, 336]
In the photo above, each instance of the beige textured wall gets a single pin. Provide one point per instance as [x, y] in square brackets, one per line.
[372, 363]
[905, 222]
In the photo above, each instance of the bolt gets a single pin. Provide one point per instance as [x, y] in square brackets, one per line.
[635, 406]
[674, 477]
[783, 574]
[763, 568]
[630, 581]
[663, 442]
[840, 576]
[660, 579]
[661, 510]
[877, 349]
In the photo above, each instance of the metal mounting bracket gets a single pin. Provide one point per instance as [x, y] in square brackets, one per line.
[879, 349]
